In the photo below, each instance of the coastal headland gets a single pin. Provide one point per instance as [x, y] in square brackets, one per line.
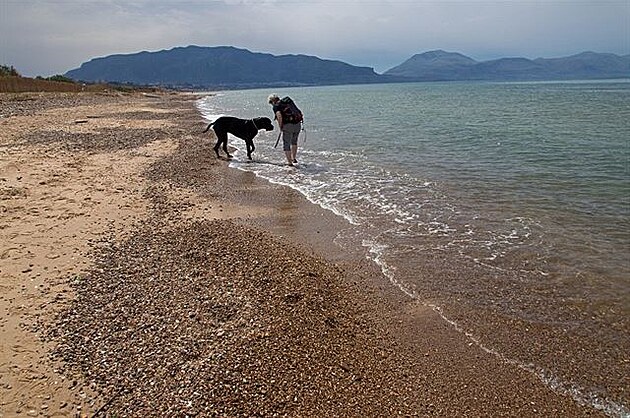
[141, 276]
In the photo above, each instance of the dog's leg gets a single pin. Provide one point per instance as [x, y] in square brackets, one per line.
[250, 148]
[225, 147]
[221, 139]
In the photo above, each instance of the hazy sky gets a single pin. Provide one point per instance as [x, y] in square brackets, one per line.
[46, 37]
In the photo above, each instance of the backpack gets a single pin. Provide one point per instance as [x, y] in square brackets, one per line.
[290, 112]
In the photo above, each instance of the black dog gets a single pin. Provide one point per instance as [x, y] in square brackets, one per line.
[246, 129]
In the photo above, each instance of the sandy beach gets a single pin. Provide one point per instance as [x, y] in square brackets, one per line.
[140, 276]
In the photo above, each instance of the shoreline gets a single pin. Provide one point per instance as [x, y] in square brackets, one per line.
[569, 331]
[252, 305]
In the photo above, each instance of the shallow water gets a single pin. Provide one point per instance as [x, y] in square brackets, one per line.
[523, 186]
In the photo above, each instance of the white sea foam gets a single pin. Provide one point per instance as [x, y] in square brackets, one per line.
[579, 394]
[211, 117]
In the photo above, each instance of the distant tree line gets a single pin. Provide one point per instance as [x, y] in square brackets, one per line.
[11, 81]
[10, 71]
[6, 71]
[57, 77]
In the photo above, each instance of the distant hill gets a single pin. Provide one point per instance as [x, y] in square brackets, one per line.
[432, 65]
[224, 66]
[448, 66]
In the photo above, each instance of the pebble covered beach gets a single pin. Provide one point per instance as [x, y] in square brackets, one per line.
[141, 276]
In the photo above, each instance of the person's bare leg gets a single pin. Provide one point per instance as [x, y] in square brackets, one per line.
[289, 157]
[294, 153]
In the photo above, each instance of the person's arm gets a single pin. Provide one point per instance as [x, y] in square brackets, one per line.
[279, 118]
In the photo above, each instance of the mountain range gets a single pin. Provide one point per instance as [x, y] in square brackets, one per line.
[229, 67]
[449, 66]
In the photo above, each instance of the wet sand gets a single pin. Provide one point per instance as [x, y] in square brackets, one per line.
[143, 277]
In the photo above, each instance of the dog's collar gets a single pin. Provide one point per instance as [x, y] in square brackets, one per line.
[255, 126]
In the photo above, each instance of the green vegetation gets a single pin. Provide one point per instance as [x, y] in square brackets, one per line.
[6, 71]
[58, 77]
[13, 82]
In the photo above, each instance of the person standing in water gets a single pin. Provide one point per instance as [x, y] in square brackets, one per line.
[289, 119]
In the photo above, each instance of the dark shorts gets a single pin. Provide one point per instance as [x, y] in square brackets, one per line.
[290, 133]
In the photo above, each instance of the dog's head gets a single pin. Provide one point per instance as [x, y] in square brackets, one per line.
[264, 123]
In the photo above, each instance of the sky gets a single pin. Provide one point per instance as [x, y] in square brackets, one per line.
[47, 37]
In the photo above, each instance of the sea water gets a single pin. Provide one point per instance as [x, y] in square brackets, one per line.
[528, 181]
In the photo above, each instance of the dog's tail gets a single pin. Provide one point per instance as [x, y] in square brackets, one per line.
[208, 128]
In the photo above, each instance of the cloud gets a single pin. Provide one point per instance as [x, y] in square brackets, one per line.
[43, 37]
